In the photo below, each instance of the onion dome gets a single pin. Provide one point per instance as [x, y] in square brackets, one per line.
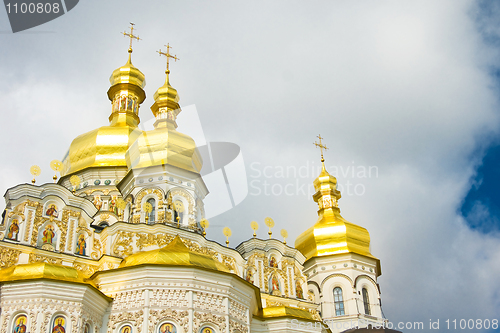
[126, 93]
[165, 145]
[107, 145]
[42, 270]
[174, 254]
[331, 234]
[166, 99]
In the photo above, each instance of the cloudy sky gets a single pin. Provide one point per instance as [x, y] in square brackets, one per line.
[408, 90]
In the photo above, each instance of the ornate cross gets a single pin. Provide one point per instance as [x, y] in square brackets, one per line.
[168, 55]
[321, 146]
[131, 36]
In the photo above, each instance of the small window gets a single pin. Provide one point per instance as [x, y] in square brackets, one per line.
[152, 215]
[338, 301]
[366, 301]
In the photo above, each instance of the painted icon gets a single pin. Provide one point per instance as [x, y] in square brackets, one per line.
[168, 328]
[273, 262]
[274, 285]
[59, 325]
[52, 211]
[298, 290]
[20, 324]
[81, 245]
[98, 202]
[48, 234]
[249, 276]
[13, 230]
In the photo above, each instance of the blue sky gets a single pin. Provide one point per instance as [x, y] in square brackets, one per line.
[481, 206]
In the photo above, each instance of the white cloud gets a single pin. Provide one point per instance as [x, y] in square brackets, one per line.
[400, 85]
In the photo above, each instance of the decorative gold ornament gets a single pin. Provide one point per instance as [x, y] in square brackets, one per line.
[148, 208]
[284, 234]
[121, 204]
[270, 223]
[57, 166]
[227, 232]
[255, 226]
[204, 224]
[35, 171]
[75, 181]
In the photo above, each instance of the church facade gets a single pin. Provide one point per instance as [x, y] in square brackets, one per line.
[118, 243]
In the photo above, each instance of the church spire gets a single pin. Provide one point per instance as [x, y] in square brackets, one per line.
[127, 89]
[325, 185]
[331, 234]
[166, 106]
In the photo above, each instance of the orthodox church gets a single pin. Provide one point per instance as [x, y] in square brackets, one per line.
[117, 244]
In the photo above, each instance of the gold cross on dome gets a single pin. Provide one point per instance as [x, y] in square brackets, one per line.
[321, 146]
[131, 36]
[168, 55]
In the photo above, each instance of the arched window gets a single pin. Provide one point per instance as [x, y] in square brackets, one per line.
[339, 301]
[366, 301]
[152, 215]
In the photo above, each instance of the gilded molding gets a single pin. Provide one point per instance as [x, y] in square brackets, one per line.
[201, 318]
[8, 257]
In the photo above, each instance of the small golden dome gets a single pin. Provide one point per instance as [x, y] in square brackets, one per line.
[166, 98]
[174, 254]
[331, 234]
[165, 145]
[128, 74]
[42, 270]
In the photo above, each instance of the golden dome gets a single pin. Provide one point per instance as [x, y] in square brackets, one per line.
[331, 234]
[107, 145]
[128, 74]
[166, 98]
[165, 145]
[174, 254]
[42, 270]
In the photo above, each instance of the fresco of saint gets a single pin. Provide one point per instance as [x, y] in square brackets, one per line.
[249, 276]
[48, 234]
[273, 262]
[298, 290]
[13, 230]
[81, 245]
[98, 202]
[274, 285]
[59, 324]
[168, 328]
[52, 211]
[20, 324]
[113, 207]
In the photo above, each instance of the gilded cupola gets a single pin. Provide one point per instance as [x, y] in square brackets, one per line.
[174, 254]
[165, 145]
[331, 234]
[106, 146]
